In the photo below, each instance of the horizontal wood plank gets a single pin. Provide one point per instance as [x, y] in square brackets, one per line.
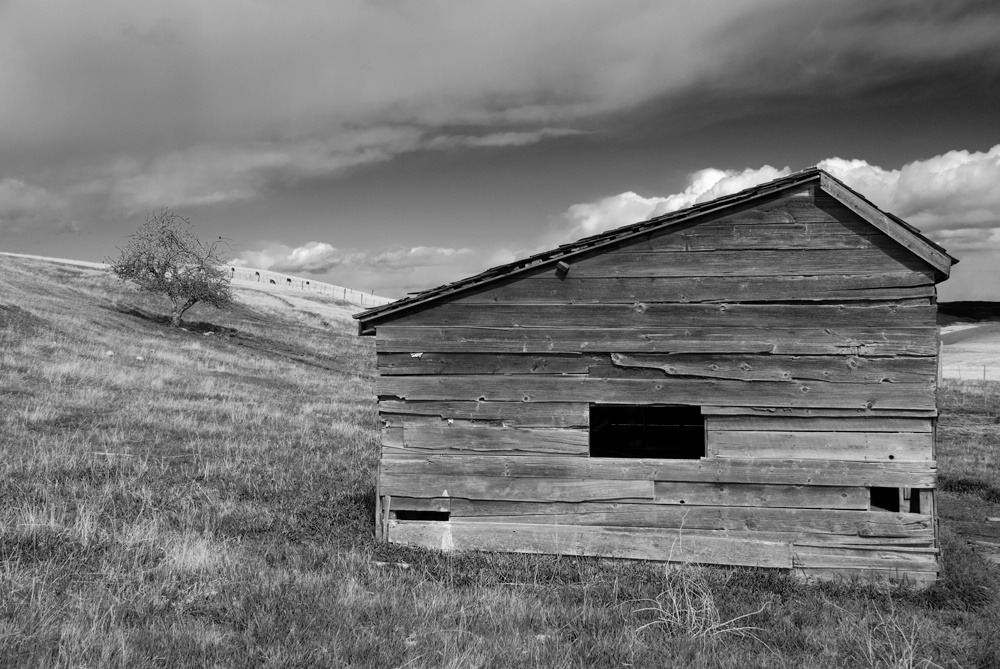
[913, 579]
[834, 369]
[818, 424]
[861, 558]
[512, 488]
[547, 288]
[792, 262]
[809, 524]
[656, 391]
[435, 504]
[519, 414]
[660, 315]
[863, 446]
[857, 341]
[392, 436]
[890, 474]
[757, 495]
[817, 412]
[489, 363]
[643, 544]
[767, 234]
[479, 438]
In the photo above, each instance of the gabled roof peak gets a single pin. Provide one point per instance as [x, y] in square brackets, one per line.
[899, 230]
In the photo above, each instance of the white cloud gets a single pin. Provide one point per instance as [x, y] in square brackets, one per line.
[711, 183]
[24, 206]
[591, 218]
[952, 191]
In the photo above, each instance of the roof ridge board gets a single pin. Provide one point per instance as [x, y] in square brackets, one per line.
[601, 239]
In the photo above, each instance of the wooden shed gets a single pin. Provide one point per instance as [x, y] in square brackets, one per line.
[750, 381]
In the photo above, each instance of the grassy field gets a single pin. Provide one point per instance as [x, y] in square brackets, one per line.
[204, 497]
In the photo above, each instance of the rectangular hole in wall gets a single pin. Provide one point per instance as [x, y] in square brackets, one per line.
[645, 431]
[885, 499]
[913, 503]
[422, 515]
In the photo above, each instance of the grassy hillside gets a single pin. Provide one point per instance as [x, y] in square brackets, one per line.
[205, 497]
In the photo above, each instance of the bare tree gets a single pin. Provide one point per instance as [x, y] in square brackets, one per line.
[165, 257]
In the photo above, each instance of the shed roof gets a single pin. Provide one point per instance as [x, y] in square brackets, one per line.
[899, 230]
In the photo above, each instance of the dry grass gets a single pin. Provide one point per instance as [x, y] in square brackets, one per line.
[210, 505]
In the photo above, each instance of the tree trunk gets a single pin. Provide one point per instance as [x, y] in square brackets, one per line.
[178, 311]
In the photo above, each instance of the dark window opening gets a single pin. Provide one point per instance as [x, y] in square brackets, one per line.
[422, 515]
[641, 431]
[885, 499]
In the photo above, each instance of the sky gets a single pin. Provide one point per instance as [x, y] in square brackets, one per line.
[392, 146]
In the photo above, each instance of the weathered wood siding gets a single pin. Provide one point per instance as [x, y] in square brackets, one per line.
[806, 335]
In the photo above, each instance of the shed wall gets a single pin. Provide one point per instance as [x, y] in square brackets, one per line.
[806, 336]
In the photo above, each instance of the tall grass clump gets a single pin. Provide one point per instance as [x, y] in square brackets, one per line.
[686, 607]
